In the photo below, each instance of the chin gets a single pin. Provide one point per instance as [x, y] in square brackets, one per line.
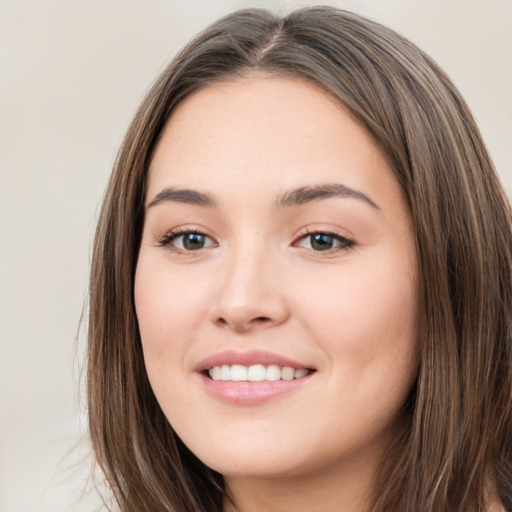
[252, 463]
[255, 469]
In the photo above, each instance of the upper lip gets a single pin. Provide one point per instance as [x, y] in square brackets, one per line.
[249, 358]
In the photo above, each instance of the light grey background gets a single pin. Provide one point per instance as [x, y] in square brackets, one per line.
[71, 75]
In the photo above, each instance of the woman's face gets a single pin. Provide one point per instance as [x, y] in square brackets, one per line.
[278, 256]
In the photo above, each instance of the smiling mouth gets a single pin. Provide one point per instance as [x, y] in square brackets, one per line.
[255, 373]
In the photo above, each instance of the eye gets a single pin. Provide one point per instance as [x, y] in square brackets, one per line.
[324, 242]
[186, 240]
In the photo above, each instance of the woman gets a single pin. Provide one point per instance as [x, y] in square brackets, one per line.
[301, 282]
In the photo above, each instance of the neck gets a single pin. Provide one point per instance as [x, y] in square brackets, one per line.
[341, 488]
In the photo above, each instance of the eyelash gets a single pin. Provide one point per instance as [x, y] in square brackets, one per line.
[171, 236]
[344, 243]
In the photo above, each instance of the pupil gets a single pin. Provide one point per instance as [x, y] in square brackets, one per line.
[193, 241]
[321, 242]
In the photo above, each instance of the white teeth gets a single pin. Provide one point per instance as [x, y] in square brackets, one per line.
[273, 372]
[255, 373]
[287, 373]
[225, 372]
[238, 372]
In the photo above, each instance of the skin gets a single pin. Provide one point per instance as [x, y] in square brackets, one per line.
[258, 283]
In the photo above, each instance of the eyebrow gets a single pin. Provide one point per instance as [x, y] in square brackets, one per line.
[187, 196]
[310, 194]
[294, 197]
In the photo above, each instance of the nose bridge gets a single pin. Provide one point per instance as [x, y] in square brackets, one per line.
[248, 294]
[246, 262]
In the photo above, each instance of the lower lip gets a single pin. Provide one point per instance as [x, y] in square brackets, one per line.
[251, 393]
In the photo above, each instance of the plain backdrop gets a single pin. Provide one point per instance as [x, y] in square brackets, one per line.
[71, 76]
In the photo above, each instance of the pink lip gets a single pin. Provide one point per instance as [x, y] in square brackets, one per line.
[249, 393]
[231, 357]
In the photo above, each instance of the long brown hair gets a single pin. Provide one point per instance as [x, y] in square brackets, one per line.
[456, 450]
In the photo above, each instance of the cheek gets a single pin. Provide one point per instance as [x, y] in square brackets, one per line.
[369, 335]
[365, 319]
[169, 309]
[360, 298]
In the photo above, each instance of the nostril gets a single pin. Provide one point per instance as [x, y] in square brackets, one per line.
[241, 324]
[262, 319]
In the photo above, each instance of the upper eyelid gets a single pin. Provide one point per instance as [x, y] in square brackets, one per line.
[330, 232]
[345, 242]
[183, 230]
[174, 233]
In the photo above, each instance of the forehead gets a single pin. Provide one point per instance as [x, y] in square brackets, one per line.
[269, 108]
[266, 131]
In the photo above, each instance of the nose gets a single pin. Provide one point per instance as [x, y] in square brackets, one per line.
[249, 295]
